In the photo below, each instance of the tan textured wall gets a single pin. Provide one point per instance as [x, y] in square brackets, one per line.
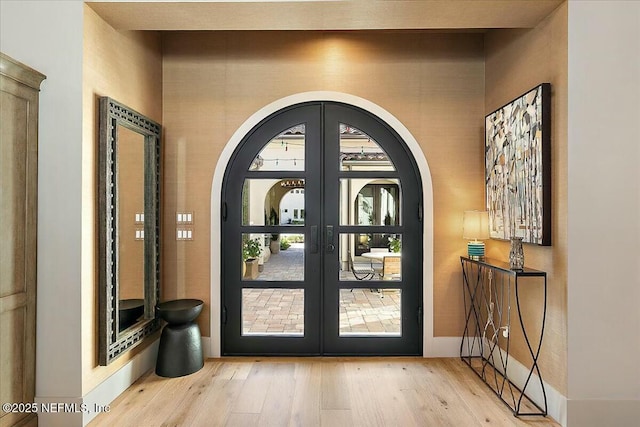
[516, 61]
[126, 66]
[212, 82]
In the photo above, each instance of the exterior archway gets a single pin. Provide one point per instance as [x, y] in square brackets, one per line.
[431, 346]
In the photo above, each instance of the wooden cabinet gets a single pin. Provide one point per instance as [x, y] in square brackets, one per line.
[19, 87]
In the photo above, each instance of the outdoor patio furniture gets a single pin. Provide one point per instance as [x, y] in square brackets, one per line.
[391, 267]
[362, 271]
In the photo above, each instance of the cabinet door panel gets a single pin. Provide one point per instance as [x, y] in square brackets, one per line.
[19, 86]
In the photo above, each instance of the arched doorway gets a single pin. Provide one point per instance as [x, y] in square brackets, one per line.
[360, 211]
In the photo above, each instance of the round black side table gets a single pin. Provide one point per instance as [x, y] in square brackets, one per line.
[180, 351]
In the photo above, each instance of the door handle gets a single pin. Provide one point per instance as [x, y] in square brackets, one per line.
[314, 239]
[330, 245]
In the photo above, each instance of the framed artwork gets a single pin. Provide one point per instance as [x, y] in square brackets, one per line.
[518, 168]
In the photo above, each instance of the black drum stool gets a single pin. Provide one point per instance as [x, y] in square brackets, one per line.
[180, 351]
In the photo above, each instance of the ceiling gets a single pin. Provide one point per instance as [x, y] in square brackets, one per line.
[323, 15]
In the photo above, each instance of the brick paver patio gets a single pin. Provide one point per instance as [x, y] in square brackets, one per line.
[281, 311]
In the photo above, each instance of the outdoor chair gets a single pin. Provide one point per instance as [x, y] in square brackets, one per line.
[391, 269]
[376, 265]
[362, 271]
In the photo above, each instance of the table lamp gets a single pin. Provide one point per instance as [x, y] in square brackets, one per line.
[475, 226]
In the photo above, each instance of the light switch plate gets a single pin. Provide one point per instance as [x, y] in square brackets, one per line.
[184, 217]
[184, 234]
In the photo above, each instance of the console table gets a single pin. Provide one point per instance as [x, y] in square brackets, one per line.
[490, 290]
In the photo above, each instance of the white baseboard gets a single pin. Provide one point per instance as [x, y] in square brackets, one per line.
[556, 402]
[598, 412]
[206, 348]
[442, 347]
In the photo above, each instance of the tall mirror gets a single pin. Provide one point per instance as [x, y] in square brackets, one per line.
[129, 252]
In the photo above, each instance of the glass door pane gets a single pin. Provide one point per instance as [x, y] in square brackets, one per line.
[284, 152]
[360, 152]
[370, 201]
[272, 311]
[370, 312]
[321, 238]
[372, 300]
[267, 291]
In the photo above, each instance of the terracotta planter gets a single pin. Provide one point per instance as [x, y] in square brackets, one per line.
[252, 270]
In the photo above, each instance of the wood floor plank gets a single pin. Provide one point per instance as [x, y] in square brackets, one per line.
[194, 398]
[335, 417]
[334, 387]
[309, 392]
[154, 391]
[397, 410]
[243, 420]
[173, 397]
[233, 369]
[305, 408]
[365, 408]
[435, 390]
[254, 390]
[217, 405]
[139, 395]
[276, 410]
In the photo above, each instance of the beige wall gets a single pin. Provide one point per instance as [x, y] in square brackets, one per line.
[212, 82]
[516, 61]
[126, 66]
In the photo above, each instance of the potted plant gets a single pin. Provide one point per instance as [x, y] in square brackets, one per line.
[284, 244]
[275, 243]
[251, 250]
[395, 244]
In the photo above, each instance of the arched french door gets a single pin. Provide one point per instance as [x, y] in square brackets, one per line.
[322, 237]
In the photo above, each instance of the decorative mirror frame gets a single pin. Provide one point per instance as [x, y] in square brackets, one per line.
[112, 343]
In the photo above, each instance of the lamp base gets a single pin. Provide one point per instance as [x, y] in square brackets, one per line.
[475, 250]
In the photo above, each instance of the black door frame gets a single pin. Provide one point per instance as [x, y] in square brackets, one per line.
[322, 337]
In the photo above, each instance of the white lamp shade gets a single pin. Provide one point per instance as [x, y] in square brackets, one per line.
[475, 225]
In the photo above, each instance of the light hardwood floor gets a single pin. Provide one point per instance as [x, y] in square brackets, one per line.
[315, 392]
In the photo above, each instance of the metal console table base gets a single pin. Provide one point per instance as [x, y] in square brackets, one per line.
[487, 334]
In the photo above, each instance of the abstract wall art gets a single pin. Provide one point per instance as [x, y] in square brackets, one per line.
[518, 168]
